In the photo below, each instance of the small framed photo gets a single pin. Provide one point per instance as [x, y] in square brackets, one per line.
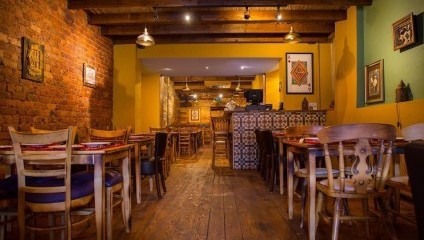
[374, 82]
[89, 77]
[32, 60]
[194, 115]
[299, 78]
[403, 32]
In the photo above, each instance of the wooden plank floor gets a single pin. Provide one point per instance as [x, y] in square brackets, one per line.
[202, 203]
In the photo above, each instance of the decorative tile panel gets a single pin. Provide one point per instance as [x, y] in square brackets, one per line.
[245, 149]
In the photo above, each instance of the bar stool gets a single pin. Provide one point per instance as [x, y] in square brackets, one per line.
[220, 137]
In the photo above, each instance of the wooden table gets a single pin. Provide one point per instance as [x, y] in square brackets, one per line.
[98, 158]
[138, 143]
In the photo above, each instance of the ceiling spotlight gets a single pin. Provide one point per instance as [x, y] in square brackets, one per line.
[278, 15]
[242, 67]
[292, 37]
[187, 17]
[247, 13]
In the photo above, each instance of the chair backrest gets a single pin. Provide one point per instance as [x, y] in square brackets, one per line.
[371, 146]
[119, 136]
[60, 161]
[266, 141]
[301, 131]
[413, 132]
[220, 124]
[161, 139]
[37, 130]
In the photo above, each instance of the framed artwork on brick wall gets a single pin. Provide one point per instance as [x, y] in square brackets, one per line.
[89, 77]
[299, 73]
[32, 60]
[194, 115]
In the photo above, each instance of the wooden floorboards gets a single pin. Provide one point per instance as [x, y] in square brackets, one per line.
[223, 204]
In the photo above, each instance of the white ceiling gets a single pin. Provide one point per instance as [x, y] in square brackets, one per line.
[216, 66]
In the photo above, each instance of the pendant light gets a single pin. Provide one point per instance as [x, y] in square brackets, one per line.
[238, 88]
[186, 88]
[145, 39]
[292, 36]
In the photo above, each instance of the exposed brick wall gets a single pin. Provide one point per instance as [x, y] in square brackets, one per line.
[62, 99]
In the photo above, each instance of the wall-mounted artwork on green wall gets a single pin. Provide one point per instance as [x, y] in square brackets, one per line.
[374, 82]
[403, 32]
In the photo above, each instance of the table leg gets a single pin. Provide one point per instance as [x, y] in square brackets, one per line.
[99, 200]
[290, 190]
[126, 169]
[137, 172]
[281, 165]
[311, 168]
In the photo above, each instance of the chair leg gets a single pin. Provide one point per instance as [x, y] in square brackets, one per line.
[336, 218]
[162, 178]
[150, 183]
[318, 208]
[303, 202]
[272, 174]
[213, 154]
[109, 212]
[158, 186]
[386, 220]
[365, 213]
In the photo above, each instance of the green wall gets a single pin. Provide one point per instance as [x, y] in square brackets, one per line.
[406, 64]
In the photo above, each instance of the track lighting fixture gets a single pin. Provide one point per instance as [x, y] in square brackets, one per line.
[247, 13]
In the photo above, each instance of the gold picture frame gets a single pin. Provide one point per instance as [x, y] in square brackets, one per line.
[194, 115]
[403, 32]
[89, 75]
[374, 82]
[32, 60]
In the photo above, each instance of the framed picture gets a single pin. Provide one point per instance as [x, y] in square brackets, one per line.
[32, 60]
[299, 70]
[403, 32]
[194, 115]
[374, 82]
[89, 75]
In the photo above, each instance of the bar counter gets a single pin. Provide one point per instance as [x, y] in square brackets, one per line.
[244, 147]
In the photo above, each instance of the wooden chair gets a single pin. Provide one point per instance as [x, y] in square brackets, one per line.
[155, 130]
[371, 145]
[296, 133]
[44, 190]
[220, 137]
[268, 156]
[8, 203]
[185, 142]
[154, 166]
[400, 184]
[37, 130]
[113, 178]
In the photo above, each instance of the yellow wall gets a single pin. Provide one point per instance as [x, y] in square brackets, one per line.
[272, 89]
[150, 101]
[345, 48]
[124, 80]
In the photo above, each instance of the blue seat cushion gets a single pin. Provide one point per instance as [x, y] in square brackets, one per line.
[82, 184]
[147, 167]
[112, 178]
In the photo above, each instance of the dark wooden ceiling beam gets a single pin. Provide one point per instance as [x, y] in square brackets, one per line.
[219, 29]
[220, 39]
[84, 4]
[230, 16]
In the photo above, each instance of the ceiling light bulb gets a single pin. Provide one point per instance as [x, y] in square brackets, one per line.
[220, 95]
[187, 17]
[278, 15]
[247, 14]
